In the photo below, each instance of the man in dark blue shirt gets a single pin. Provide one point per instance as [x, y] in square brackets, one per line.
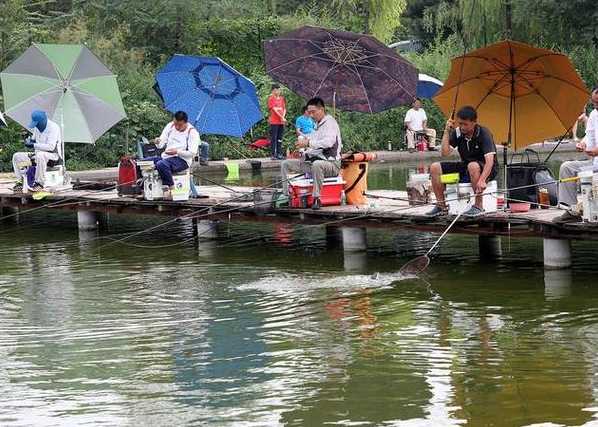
[478, 162]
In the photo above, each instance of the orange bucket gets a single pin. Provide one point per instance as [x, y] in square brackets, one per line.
[354, 171]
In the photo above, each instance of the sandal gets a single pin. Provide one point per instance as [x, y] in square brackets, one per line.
[37, 187]
[18, 187]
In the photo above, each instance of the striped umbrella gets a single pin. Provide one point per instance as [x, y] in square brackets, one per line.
[2, 121]
[68, 82]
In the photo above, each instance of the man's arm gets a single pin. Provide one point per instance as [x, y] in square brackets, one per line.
[193, 146]
[590, 147]
[407, 121]
[161, 142]
[480, 186]
[50, 145]
[446, 148]
[324, 137]
[489, 150]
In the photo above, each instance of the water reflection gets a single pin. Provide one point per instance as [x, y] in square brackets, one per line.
[277, 326]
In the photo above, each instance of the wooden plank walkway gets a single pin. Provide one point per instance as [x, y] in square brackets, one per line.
[239, 205]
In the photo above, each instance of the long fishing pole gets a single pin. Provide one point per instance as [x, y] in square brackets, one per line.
[204, 209]
[405, 208]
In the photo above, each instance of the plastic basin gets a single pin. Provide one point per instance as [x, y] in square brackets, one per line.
[519, 207]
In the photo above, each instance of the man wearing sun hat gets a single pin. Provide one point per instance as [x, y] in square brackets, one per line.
[45, 140]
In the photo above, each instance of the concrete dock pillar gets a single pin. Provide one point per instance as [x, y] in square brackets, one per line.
[490, 247]
[334, 237]
[87, 220]
[355, 239]
[207, 229]
[557, 253]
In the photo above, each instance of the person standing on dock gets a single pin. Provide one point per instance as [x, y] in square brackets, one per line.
[181, 142]
[277, 119]
[45, 140]
[478, 162]
[416, 121]
[589, 146]
[322, 155]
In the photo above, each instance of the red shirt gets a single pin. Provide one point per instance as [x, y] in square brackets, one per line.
[274, 102]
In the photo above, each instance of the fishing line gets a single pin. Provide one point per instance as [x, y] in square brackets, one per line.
[204, 209]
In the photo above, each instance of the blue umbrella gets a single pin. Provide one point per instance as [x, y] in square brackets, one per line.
[427, 86]
[217, 98]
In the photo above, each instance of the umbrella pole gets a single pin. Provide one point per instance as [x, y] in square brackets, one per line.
[62, 141]
[510, 127]
[334, 103]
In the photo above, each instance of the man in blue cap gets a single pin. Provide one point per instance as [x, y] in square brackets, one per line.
[46, 143]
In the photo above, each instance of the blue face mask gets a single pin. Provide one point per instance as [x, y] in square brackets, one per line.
[41, 125]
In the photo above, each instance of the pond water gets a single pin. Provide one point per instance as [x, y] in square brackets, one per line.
[270, 325]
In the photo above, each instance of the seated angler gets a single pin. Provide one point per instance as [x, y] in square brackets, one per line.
[478, 163]
[45, 140]
[322, 155]
[570, 169]
[416, 121]
[181, 141]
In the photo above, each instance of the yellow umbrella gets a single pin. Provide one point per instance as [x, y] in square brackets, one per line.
[523, 94]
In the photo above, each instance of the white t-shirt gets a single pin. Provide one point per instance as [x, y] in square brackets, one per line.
[592, 133]
[416, 119]
[186, 142]
[49, 139]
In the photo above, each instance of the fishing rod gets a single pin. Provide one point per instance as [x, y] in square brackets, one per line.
[58, 202]
[406, 208]
[191, 215]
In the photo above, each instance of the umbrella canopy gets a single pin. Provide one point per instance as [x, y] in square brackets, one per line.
[355, 72]
[68, 82]
[2, 121]
[427, 86]
[523, 94]
[217, 98]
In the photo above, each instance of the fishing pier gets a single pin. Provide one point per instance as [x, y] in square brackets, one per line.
[348, 224]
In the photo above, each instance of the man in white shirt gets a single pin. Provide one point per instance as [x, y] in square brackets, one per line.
[322, 155]
[46, 143]
[568, 190]
[181, 141]
[416, 120]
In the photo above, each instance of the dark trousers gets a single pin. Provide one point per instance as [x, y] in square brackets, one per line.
[166, 167]
[276, 133]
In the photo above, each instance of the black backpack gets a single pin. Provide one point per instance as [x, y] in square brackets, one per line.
[533, 175]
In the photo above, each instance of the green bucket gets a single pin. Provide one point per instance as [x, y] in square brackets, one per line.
[449, 178]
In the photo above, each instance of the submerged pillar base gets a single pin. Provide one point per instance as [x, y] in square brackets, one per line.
[355, 239]
[206, 229]
[557, 253]
[490, 247]
[87, 220]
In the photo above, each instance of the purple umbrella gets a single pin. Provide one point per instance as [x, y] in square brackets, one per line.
[353, 71]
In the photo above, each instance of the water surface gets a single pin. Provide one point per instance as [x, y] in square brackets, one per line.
[273, 325]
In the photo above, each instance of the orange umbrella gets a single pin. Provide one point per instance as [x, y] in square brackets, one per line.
[523, 94]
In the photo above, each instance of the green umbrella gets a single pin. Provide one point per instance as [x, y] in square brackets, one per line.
[68, 82]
